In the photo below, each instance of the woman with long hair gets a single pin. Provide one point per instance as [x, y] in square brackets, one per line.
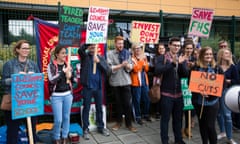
[224, 60]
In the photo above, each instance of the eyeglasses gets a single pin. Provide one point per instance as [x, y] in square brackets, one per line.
[175, 45]
[25, 48]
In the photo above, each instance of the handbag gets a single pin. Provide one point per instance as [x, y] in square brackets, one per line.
[6, 103]
[155, 92]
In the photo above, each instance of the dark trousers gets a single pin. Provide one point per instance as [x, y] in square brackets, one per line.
[123, 99]
[13, 127]
[207, 123]
[87, 97]
[171, 106]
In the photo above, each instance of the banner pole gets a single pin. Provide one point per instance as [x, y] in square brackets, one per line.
[69, 60]
[189, 124]
[95, 54]
[30, 134]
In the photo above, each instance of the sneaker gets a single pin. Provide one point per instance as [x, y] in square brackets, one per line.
[104, 132]
[140, 122]
[132, 129]
[158, 116]
[231, 141]
[86, 135]
[221, 135]
[116, 126]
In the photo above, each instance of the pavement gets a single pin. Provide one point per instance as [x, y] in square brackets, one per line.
[148, 133]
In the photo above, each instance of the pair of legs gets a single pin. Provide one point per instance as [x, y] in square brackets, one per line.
[123, 99]
[13, 127]
[87, 97]
[141, 94]
[171, 106]
[61, 106]
[207, 122]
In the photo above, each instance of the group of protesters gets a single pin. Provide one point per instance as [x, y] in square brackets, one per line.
[127, 74]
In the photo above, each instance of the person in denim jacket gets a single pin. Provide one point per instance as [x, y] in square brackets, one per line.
[20, 64]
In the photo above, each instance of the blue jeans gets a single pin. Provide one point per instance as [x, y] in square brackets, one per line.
[224, 117]
[87, 96]
[138, 94]
[61, 106]
[171, 106]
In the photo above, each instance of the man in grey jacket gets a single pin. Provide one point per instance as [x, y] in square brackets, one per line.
[119, 60]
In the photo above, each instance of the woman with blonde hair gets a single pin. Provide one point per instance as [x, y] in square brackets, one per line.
[224, 60]
[206, 106]
[140, 83]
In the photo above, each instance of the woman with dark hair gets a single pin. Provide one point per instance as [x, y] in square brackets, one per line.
[59, 75]
[22, 65]
[208, 115]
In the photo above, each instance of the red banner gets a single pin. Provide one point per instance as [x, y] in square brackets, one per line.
[47, 39]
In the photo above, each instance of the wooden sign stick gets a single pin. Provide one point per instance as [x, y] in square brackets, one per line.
[69, 60]
[30, 134]
[189, 124]
[95, 54]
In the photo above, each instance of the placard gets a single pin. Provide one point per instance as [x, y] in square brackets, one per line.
[145, 32]
[71, 19]
[201, 21]
[27, 95]
[208, 83]
[97, 25]
[187, 95]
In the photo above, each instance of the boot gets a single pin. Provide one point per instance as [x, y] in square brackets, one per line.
[183, 133]
[187, 132]
[57, 142]
[65, 141]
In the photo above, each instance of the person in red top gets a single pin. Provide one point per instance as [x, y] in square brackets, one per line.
[140, 83]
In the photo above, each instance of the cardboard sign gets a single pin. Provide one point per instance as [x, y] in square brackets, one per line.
[145, 32]
[201, 21]
[97, 25]
[71, 19]
[187, 95]
[208, 83]
[27, 95]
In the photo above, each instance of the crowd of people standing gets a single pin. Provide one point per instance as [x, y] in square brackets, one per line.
[127, 74]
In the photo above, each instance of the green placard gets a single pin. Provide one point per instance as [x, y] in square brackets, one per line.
[187, 95]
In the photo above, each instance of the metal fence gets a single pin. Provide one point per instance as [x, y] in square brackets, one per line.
[15, 26]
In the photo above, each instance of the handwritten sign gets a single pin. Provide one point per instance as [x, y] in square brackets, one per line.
[71, 19]
[201, 21]
[97, 25]
[208, 83]
[27, 95]
[187, 95]
[145, 32]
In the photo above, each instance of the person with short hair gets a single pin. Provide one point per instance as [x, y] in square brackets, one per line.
[121, 65]
[173, 69]
[92, 86]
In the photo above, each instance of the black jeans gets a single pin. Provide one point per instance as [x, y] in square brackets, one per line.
[207, 123]
[123, 99]
[13, 127]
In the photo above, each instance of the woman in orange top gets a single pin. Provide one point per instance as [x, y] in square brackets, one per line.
[140, 83]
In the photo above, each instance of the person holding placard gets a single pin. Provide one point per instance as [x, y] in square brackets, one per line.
[224, 60]
[22, 65]
[171, 96]
[59, 75]
[187, 53]
[206, 106]
[120, 62]
[92, 86]
[140, 84]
